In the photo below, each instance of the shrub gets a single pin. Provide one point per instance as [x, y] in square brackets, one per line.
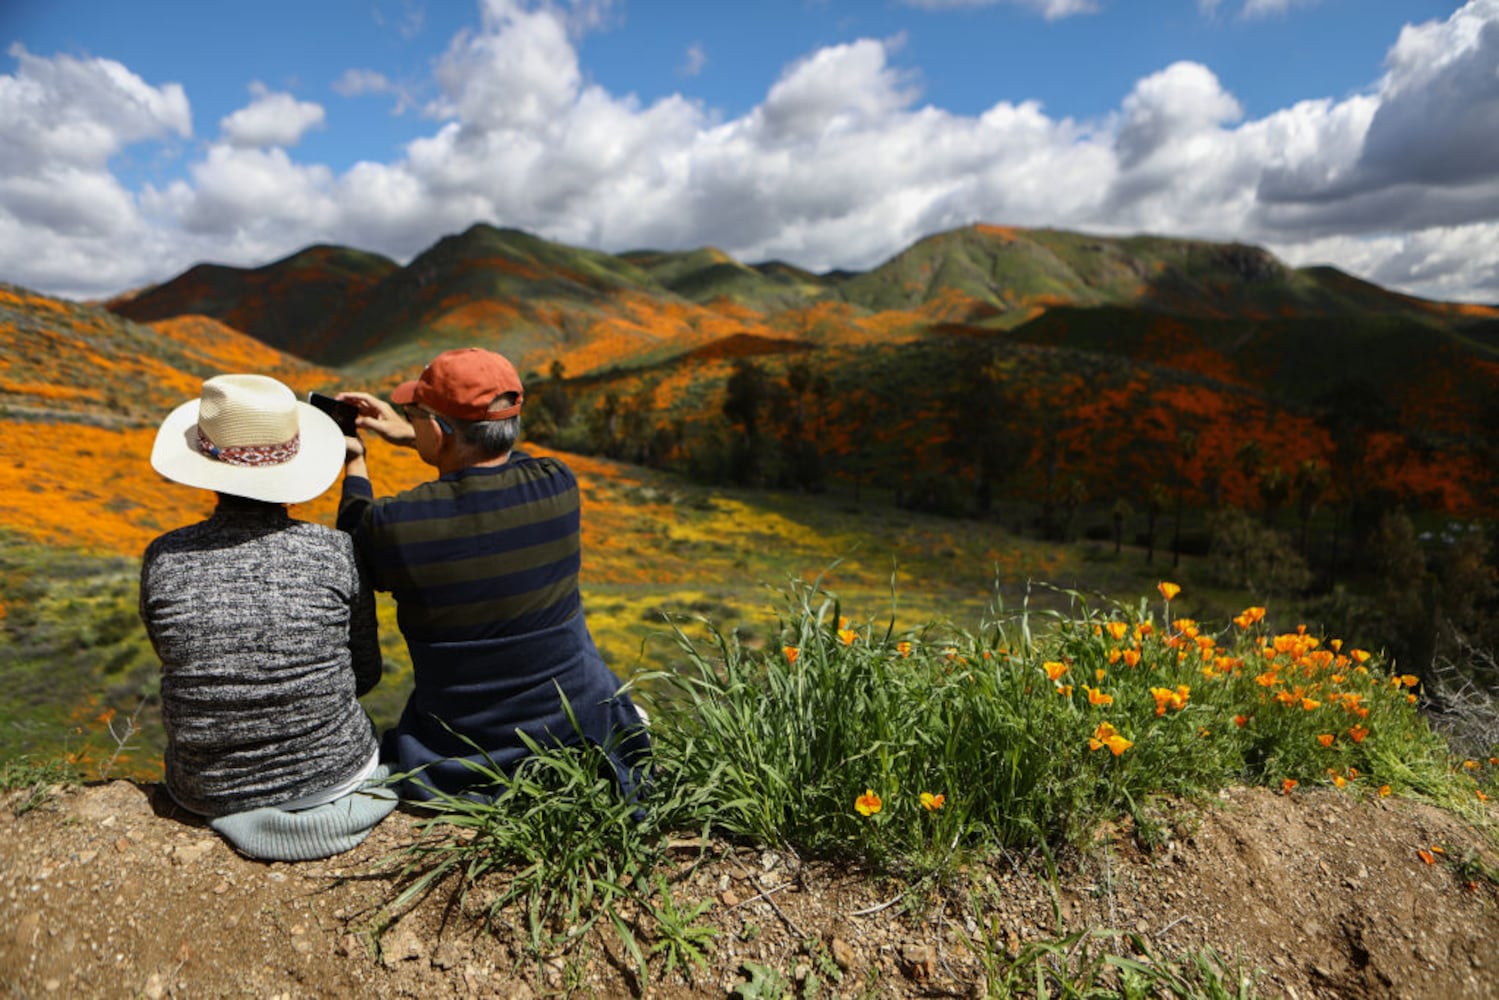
[1250, 555]
[854, 740]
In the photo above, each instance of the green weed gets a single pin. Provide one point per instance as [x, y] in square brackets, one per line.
[1088, 965]
[37, 776]
[679, 936]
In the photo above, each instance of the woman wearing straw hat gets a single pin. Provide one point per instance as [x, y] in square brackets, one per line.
[265, 629]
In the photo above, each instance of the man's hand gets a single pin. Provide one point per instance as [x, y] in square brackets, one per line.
[354, 464]
[375, 414]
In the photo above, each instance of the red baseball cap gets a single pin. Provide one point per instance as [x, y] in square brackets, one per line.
[462, 383]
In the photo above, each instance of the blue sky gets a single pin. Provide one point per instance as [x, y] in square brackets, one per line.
[151, 135]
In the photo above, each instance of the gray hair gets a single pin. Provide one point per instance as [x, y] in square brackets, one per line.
[492, 437]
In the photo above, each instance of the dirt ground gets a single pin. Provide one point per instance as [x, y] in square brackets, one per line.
[107, 890]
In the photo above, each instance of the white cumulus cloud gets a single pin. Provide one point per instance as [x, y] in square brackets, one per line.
[81, 111]
[841, 163]
[273, 118]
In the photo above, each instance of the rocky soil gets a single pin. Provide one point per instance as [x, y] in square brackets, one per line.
[107, 890]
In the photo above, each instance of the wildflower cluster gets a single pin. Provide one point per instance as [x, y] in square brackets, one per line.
[1283, 709]
[855, 737]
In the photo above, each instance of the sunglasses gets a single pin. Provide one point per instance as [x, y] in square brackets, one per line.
[413, 413]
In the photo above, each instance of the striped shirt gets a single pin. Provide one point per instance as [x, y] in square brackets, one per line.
[481, 553]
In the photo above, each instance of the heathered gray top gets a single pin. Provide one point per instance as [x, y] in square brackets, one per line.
[266, 634]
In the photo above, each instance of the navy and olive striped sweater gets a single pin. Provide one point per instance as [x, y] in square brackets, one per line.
[476, 554]
[483, 564]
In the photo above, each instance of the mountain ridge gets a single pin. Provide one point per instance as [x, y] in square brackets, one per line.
[545, 299]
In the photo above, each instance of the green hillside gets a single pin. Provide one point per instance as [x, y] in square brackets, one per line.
[1002, 271]
[708, 274]
[515, 292]
[291, 304]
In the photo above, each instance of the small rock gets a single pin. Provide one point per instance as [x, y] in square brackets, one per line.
[842, 953]
[187, 854]
[402, 945]
[84, 857]
[918, 961]
[155, 987]
[729, 898]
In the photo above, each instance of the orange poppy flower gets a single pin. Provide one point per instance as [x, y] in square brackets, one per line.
[931, 803]
[1107, 736]
[1325, 739]
[1166, 698]
[1168, 589]
[869, 803]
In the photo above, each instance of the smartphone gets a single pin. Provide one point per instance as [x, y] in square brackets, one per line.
[343, 414]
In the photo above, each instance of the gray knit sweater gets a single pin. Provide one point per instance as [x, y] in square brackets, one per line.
[267, 636]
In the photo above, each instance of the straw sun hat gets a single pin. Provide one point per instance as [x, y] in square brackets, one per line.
[249, 436]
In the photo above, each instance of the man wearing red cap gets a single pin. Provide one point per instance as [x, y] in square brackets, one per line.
[483, 563]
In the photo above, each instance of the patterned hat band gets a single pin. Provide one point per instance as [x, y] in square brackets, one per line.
[251, 454]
